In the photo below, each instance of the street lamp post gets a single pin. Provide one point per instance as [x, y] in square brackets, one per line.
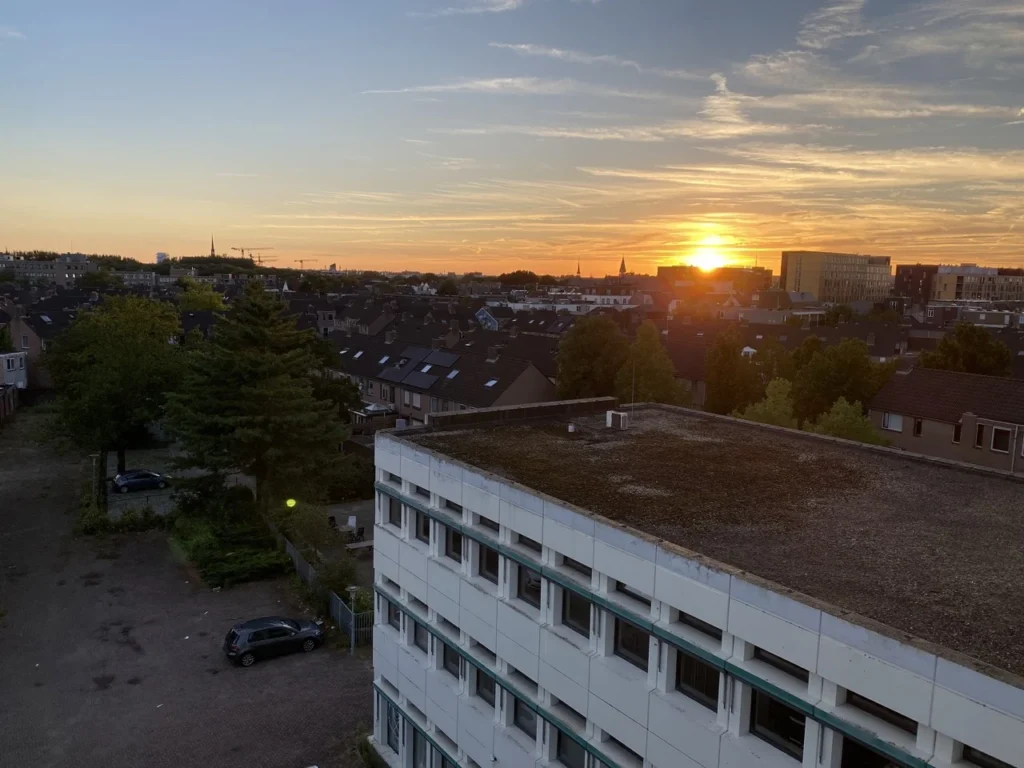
[352, 619]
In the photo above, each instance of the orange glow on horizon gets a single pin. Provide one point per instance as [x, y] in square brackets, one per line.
[711, 254]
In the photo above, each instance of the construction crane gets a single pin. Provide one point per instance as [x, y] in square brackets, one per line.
[302, 263]
[247, 248]
[260, 259]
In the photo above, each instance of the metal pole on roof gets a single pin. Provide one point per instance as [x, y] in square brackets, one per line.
[632, 407]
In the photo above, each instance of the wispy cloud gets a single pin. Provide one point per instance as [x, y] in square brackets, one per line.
[448, 163]
[473, 8]
[10, 33]
[525, 86]
[835, 21]
[236, 175]
[416, 141]
[580, 57]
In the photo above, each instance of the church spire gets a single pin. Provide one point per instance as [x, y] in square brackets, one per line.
[213, 251]
[622, 267]
[577, 267]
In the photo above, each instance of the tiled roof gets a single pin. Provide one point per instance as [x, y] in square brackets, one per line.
[947, 395]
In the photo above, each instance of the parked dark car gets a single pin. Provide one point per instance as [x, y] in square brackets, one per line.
[271, 636]
[140, 480]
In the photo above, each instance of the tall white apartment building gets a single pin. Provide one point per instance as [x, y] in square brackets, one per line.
[689, 591]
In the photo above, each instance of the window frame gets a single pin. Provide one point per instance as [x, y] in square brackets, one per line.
[918, 427]
[420, 519]
[392, 504]
[957, 433]
[769, 736]
[693, 691]
[450, 546]
[419, 742]
[522, 572]
[887, 421]
[392, 714]
[781, 664]
[975, 756]
[570, 760]
[881, 712]
[419, 627]
[627, 654]
[568, 596]
[576, 566]
[448, 656]
[979, 436]
[482, 557]
[490, 686]
[1009, 440]
[518, 705]
[531, 544]
[394, 612]
[691, 621]
[633, 594]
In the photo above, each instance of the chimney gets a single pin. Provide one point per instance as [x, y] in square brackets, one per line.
[513, 331]
[390, 336]
[437, 343]
[452, 307]
[453, 326]
[493, 353]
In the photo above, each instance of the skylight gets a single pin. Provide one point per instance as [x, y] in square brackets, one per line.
[453, 373]
[384, 359]
[426, 368]
[491, 383]
[343, 351]
[358, 354]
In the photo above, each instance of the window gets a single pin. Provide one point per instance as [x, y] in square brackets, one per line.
[419, 636]
[569, 753]
[422, 527]
[524, 718]
[957, 428]
[394, 615]
[576, 612]
[393, 737]
[611, 739]
[528, 589]
[779, 663]
[392, 477]
[631, 643]
[451, 506]
[433, 405]
[490, 525]
[10, 363]
[489, 563]
[485, 687]
[977, 757]
[417, 400]
[394, 512]
[1000, 440]
[776, 723]
[24, 341]
[491, 383]
[383, 360]
[452, 374]
[697, 679]
[406, 397]
[426, 368]
[453, 544]
[358, 354]
[631, 593]
[419, 750]
[422, 492]
[576, 565]
[979, 436]
[892, 422]
[526, 541]
[700, 626]
[918, 427]
[881, 712]
[856, 755]
[451, 660]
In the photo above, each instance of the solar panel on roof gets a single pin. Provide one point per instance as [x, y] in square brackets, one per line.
[390, 374]
[420, 380]
[439, 357]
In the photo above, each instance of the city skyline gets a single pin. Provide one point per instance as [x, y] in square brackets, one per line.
[491, 135]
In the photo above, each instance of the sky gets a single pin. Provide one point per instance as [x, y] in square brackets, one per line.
[492, 135]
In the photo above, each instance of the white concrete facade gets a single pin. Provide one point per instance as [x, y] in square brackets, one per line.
[765, 680]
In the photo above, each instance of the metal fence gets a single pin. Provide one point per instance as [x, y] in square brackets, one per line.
[341, 614]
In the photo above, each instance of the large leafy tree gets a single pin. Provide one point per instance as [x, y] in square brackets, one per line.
[589, 358]
[776, 408]
[6, 343]
[112, 370]
[199, 297]
[248, 403]
[970, 349]
[803, 354]
[846, 420]
[843, 370]
[648, 376]
[732, 379]
[773, 361]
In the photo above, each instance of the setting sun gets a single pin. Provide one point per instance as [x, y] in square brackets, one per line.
[709, 255]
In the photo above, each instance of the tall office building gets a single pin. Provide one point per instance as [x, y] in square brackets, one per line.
[969, 282]
[558, 586]
[161, 257]
[837, 277]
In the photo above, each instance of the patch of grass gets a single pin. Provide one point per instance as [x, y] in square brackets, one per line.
[93, 522]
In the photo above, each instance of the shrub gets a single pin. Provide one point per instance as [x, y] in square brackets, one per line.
[228, 553]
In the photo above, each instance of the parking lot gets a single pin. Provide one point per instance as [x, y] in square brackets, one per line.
[110, 648]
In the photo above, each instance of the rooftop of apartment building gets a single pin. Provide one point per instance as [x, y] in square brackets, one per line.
[948, 395]
[930, 551]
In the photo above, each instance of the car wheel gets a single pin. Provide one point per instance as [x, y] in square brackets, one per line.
[308, 644]
[247, 660]
[124, 489]
[161, 485]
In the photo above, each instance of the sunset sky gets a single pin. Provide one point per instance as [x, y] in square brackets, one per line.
[501, 134]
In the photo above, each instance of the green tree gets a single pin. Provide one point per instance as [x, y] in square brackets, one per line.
[970, 349]
[112, 370]
[448, 287]
[841, 313]
[589, 358]
[888, 316]
[98, 280]
[732, 379]
[773, 361]
[6, 343]
[846, 420]
[199, 297]
[518, 278]
[248, 403]
[776, 408]
[803, 354]
[329, 385]
[647, 375]
[843, 370]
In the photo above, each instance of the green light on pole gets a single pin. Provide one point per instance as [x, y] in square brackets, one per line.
[290, 503]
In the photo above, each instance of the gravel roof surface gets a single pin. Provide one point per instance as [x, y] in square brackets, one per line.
[932, 551]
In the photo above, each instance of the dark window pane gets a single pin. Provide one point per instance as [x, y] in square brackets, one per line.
[779, 663]
[576, 612]
[957, 429]
[628, 591]
[631, 643]
[777, 724]
[485, 687]
[977, 757]
[489, 525]
[489, 563]
[529, 586]
[422, 527]
[394, 615]
[451, 506]
[394, 512]
[881, 712]
[525, 541]
[576, 565]
[451, 659]
[570, 754]
[701, 626]
[453, 544]
[419, 636]
[420, 491]
[419, 750]
[856, 755]
[979, 436]
[1001, 440]
[697, 679]
[524, 718]
[393, 726]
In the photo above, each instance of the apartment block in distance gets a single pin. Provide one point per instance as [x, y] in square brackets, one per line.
[837, 277]
[666, 588]
[970, 282]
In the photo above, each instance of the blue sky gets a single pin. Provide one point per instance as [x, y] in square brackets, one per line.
[496, 134]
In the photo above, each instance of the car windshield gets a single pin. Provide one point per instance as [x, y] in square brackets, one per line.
[293, 624]
[232, 637]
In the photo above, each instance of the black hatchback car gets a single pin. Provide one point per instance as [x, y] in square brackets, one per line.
[140, 480]
[271, 636]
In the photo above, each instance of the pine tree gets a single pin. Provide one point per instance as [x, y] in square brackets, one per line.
[248, 404]
[648, 375]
